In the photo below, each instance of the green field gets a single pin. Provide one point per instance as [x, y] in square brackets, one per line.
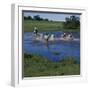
[35, 66]
[44, 26]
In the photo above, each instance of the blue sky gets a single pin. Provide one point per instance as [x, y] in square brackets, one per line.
[50, 16]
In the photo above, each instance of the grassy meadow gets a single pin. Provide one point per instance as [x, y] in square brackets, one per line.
[35, 66]
[45, 26]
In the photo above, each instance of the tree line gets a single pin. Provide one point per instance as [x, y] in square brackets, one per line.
[71, 22]
[36, 17]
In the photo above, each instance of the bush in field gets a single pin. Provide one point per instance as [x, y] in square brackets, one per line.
[27, 55]
[68, 61]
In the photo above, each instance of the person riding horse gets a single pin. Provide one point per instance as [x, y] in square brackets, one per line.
[35, 30]
[64, 35]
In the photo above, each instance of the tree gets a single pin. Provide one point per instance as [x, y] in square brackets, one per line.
[45, 19]
[37, 17]
[28, 18]
[72, 23]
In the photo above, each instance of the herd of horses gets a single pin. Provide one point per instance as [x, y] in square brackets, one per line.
[51, 37]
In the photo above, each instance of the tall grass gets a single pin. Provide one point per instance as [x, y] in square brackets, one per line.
[35, 66]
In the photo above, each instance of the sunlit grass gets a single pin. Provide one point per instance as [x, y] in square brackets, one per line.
[45, 26]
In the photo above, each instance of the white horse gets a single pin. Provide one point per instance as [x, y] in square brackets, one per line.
[67, 36]
[39, 36]
[49, 37]
[52, 37]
